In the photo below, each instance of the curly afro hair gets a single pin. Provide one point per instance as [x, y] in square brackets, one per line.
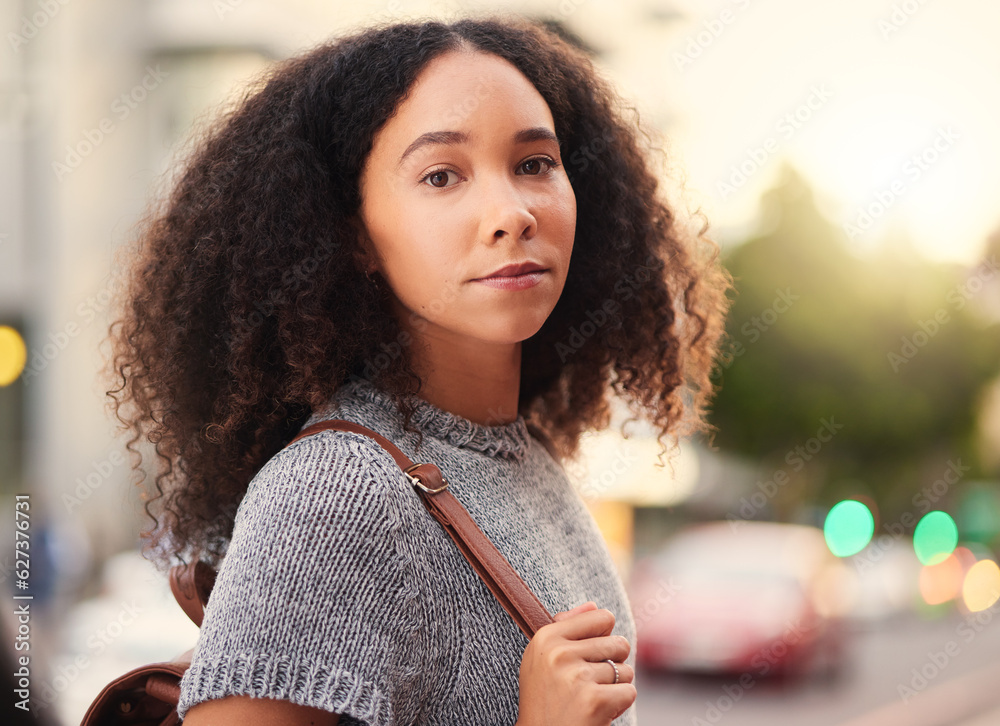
[245, 307]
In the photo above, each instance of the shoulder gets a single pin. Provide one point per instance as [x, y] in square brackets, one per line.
[311, 591]
[324, 451]
[330, 500]
[324, 471]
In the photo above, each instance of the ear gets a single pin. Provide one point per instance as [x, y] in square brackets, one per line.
[364, 249]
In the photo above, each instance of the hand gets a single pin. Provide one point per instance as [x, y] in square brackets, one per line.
[564, 680]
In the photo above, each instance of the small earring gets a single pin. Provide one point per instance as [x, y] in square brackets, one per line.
[368, 274]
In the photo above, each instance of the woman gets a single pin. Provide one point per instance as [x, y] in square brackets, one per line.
[339, 246]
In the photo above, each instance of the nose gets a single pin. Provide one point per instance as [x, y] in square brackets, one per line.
[506, 213]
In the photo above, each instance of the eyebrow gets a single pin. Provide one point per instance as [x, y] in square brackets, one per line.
[453, 138]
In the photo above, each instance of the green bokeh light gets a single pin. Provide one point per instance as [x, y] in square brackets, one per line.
[935, 537]
[849, 528]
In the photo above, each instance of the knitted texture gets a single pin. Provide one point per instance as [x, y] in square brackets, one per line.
[340, 591]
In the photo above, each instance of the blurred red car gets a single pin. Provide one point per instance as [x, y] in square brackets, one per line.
[741, 597]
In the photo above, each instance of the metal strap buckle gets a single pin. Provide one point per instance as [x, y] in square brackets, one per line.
[417, 483]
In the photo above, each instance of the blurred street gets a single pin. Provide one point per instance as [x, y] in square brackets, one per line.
[945, 666]
[882, 658]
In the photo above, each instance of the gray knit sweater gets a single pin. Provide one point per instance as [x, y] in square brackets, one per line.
[339, 590]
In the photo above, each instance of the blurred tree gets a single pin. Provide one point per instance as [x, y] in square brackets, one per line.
[849, 376]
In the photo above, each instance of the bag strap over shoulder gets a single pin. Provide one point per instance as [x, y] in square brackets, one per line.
[192, 584]
[149, 694]
[500, 577]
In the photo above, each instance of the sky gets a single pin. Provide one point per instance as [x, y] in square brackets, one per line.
[890, 109]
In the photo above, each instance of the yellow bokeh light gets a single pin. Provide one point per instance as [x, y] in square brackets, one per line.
[982, 585]
[13, 355]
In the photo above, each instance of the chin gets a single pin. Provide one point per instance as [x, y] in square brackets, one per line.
[506, 330]
[518, 333]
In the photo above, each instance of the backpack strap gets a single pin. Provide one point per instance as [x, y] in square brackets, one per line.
[500, 577]
[192, 583]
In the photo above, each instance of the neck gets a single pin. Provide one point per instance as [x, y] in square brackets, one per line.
[474, 379]
[467, 388]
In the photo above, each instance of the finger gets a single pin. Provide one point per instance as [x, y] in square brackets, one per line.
[597, 650]
[605, 674]
[615, 647]
[590, 624]
[618, 697]
[589, 605]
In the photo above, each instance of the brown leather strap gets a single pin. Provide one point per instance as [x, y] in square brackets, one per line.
[500, 577]
[164, 688]
[192, 584]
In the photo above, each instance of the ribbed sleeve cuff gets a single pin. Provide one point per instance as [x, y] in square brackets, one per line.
[281, 677]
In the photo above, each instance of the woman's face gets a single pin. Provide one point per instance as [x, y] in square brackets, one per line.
[464, 179]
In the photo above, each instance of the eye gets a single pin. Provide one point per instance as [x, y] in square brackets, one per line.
[437, 174]
[535, 162]
[552, 163]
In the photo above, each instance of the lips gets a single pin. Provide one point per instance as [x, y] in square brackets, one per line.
[514, 270]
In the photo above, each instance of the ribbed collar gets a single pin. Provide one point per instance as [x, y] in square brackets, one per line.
[510, 440]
